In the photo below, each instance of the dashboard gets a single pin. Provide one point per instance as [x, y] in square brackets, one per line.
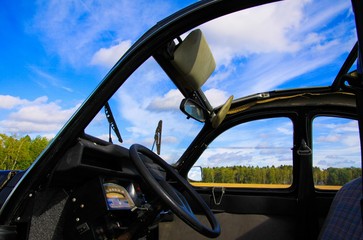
[104, 209]
[107, 196]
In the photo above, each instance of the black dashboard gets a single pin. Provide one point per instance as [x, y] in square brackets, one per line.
[106, 193]
[88, 159]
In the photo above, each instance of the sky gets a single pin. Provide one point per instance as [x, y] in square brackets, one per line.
[54, 53]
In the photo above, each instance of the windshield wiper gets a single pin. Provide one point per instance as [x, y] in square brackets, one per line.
[112, 123]
[157, 137]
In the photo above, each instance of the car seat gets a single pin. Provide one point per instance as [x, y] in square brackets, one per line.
[344, 220]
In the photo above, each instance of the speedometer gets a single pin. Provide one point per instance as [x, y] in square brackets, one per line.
[117, 197]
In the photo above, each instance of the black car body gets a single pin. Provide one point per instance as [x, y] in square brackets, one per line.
[83, 187]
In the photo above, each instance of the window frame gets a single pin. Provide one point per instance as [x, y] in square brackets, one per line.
[231, 131]
[232, 122]
[338, 114]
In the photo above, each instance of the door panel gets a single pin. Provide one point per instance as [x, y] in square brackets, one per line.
[243, 217]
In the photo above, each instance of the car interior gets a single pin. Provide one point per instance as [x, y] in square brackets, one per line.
[90, 188]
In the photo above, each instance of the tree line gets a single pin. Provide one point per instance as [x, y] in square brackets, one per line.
[19, 153]
[277, 175]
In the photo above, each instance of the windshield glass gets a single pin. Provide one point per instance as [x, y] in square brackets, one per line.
[281, 45]
[276, 46]
[145, 99]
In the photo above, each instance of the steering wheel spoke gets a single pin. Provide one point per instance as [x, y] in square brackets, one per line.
[176, 195]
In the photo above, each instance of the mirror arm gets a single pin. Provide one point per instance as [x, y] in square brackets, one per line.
[201, 98]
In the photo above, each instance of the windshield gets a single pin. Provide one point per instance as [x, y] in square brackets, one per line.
[281, 45]
[139, 105]
[296, 47]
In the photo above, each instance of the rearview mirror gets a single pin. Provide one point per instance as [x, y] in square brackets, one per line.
[193, 109]
[195, 174]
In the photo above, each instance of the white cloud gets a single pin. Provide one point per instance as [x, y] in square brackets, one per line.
[170, 101]
[262, 48]
[51, 80]
[8, 102]
[216, 97]
[317, 18]
[257, 30]
[337, 130]
[285, 130]
[109, 56]
[329, 138]
[75, 30]
[35, 117]
[336, 142]
[255, 143]
[279, 27]
[144, 119]
[351, 140]
[220, 76]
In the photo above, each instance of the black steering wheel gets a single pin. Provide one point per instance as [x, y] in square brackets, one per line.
[150, 170]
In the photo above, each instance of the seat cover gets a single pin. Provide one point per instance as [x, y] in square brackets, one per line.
[344, 220]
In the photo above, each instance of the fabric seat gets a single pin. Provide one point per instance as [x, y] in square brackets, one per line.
[344, 220]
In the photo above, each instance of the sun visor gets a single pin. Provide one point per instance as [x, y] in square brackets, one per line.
[219, 117]
[194, 60]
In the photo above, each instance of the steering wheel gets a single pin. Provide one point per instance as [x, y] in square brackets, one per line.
[150, 170]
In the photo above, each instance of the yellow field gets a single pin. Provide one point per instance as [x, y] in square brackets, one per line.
[328, 187]
[242, 185]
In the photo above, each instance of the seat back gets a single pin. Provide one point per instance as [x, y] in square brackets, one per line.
[344, 220]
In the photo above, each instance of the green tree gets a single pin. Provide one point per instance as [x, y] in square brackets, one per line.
[37, 146]
[19, 153]
[208, 175]
[271, 175]
[279, 175]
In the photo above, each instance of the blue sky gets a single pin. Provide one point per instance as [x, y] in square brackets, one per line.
[54, 53]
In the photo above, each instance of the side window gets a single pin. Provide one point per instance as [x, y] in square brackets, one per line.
[252, 154]
[336, 152]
